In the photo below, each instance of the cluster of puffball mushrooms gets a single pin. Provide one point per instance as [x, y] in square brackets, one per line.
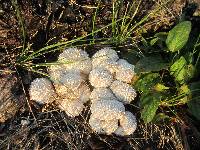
[103, 79]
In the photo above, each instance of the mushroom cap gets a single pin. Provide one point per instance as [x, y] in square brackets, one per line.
[71, 79]
[42, 91]
[101, 93]
[100, 77]
[55, 72]
[123, 91]
[128, 124]
[82, 93]
[72, 108]
[103, 126]
[107, 109]
[125, 71]
[75, 59]
[103, 55]
[109, 65]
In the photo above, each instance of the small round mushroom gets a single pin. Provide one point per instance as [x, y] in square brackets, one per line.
[103, 126]
[75, 59]
[104, 55]
[101, 93]
[128, 124]
[55, 71]
[123, 91]
[107, 109]
[82, 93]
[125, 71]
[42, 91]
[109, 65]
[100, 77]
[72, 108]
[71, 79]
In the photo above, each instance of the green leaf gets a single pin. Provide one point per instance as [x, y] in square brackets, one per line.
[147, 81]
[150, 103]
[181, 71]
[160, 87]
[162, 36]
[178, 36]
[153, 41]
[151, 63]
[194, 103]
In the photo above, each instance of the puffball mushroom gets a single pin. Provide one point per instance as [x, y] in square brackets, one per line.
[75, 59]
[103, 126]
[107, 109]
[72, 108]
[42, 91]
[101, 93]
[128, 124]
[100, 77]
[123, 91]
[108, 76]
[103, 55]
[125, 71]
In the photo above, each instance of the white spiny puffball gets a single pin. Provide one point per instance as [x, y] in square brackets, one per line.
[125, 71]
[55, 71]
[82, 93]
[100, 77]
[75, 59]
[72, 108]
[128, 124]
[104, 55]
[107, 109]
[123, 91]
[101, 93]
[42, 91]
[103, 126]
[71, 79]
[109, 65]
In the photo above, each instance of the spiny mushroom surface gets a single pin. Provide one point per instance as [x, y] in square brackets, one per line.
[107, 109]
[103, 126]
[42, 91]
[128, 124]
[125, 71]
[101, 93]
[75, 75]
[123, 91]
[71, 107]
[103, 55]
[100, 77]
[75, 59]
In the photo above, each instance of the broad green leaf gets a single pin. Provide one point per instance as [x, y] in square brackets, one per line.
[194, 103]
[151, 63]
[178, 36]
[181, 71]
[150, 103]
[147, 82]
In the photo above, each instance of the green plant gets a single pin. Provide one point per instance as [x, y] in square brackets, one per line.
[172, 80]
